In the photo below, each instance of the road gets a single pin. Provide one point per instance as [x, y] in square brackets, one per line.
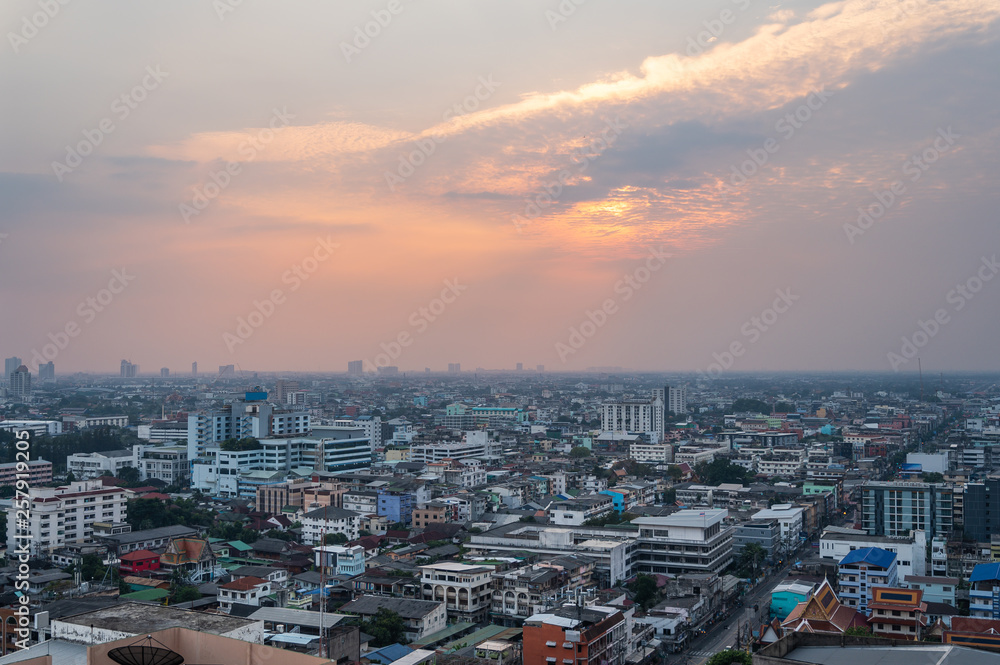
[723, 634]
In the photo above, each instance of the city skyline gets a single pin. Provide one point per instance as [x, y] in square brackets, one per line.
[713, 188]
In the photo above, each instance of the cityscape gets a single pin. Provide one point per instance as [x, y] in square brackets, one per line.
[506, 332]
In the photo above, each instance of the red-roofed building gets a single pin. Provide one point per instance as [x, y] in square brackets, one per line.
[822, 612]
[139, 562]
[897, 613]
[973, 632]
[248, 590]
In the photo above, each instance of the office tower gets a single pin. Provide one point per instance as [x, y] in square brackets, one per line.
[520, 367]
[129, 370]
[194, 368]
[677, 400]
[47, 371]
[227, 371]
[10, 365]
[454, 367]
[20, 382]
[355, 367]
[164, 372]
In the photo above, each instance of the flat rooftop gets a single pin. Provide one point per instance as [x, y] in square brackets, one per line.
[940, 654]
[142, 618]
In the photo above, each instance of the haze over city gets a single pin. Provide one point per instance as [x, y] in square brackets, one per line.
[658, 186]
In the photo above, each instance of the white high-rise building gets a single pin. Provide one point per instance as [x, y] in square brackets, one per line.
[61, 515]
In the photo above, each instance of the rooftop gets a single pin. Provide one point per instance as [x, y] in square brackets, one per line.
[140, 618]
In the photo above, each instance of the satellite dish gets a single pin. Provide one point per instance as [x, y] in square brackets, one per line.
[145, 654]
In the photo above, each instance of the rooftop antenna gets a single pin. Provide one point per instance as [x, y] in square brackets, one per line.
[921, 371]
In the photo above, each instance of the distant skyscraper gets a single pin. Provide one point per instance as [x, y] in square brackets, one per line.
[282, 388]
[164, 372]
[388, 369]
[194, 368]
[227, 371]
[47, 371]
[355, 367]
[9, 365]
[520, 367]
[454, 367]
[20, 381]
[129, 370]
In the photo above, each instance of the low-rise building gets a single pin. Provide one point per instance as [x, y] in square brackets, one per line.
[594, 635]
[244, 591]
[466, 590]
[316, 524]
[863, 570]
[897, 613]
[574, 512]
[420, 617]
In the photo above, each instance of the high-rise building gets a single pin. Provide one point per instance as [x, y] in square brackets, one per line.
[47, 371]
[20, 382]
[981, 502]
[355, 367]
[227, 371]
[129, 370]
[194, 368]
[896, 508]
[520, 367]
[454, 367]
[9, 365]
[164, 372]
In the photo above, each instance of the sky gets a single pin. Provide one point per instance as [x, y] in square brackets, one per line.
[711, 186]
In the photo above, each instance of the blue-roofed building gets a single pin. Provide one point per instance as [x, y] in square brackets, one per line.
[984, 596]
[388, 654]
[862, 570]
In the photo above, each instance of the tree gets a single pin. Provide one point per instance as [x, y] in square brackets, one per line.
[70, 478]
[744, 405]
[859, 631]
[644, 588]
[784, 407]
[675, 472]
[130, 476]
[933, 477]
[721, 471]
[186, 593]
[730, 656]
[246, 443]
[579, 452]
[751, 557]
[335, 539]
[386, 627]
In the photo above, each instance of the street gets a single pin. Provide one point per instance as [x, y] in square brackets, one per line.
[723, 634]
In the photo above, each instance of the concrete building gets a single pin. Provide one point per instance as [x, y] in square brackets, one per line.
[688, 541]
[252, 416]
[910, 551]
[651, 453]
[420, 617]
[984, 595]
[789, 516]
[466, 590]
[61, 515]
[896, 508]
[475, 445]
[339, 560]
[863, 570]
[19, 382]
[244, 591]
[85, 466]
[574, 512]
[166, 463]
[593, 635]
[328, 521]
[766, 533]
[36, 472]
